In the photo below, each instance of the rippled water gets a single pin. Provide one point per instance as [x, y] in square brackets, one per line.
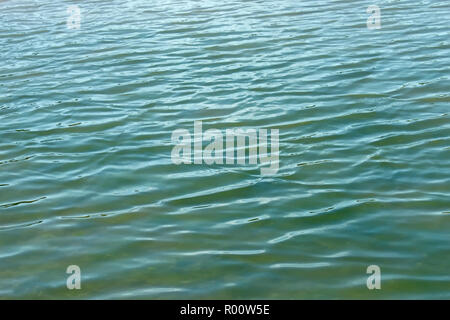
[86, 176]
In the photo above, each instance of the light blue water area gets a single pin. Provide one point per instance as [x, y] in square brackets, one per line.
[87, 179]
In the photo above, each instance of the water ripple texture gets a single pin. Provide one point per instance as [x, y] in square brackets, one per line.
[86, 178]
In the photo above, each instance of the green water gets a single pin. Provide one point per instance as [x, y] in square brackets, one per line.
[86, 176]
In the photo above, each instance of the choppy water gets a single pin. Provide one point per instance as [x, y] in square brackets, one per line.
[86, 176]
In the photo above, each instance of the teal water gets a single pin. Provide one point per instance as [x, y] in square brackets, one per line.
[86, 176]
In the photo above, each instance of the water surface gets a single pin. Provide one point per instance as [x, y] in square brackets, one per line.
[86, 176]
